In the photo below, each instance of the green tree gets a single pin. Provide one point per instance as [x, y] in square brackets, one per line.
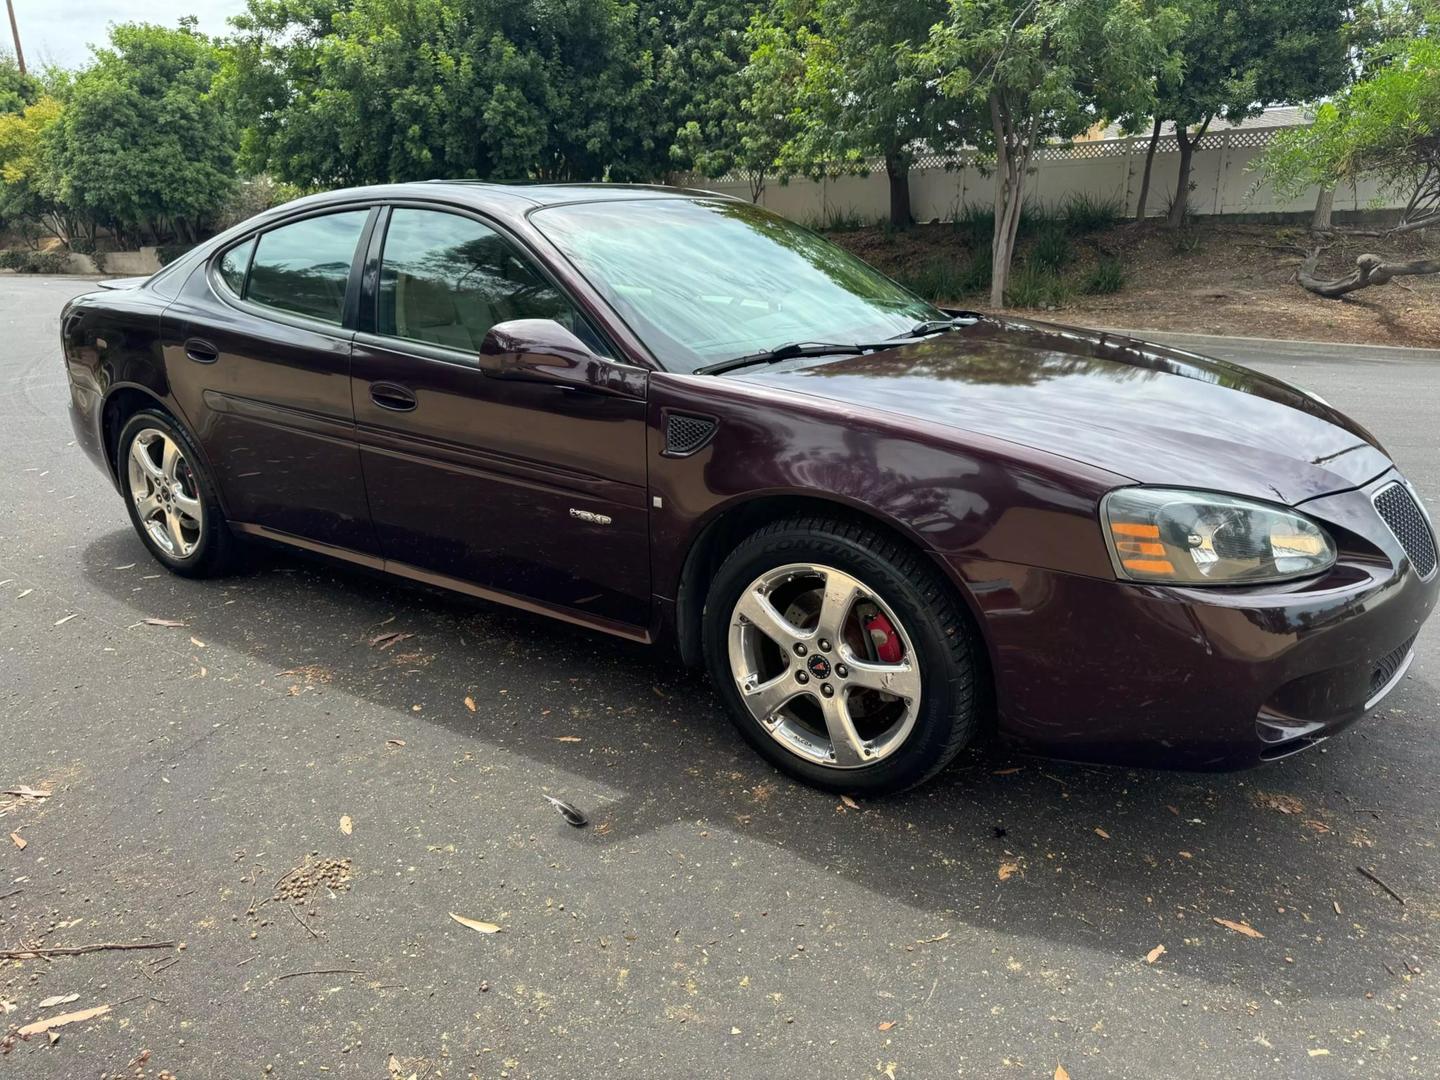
[1240, 56]
[16, 90]
[705, 84]
[1385, 125]
[372, 91]
[25, 205]
[142, 145]
[1044, 70]
[860, 95]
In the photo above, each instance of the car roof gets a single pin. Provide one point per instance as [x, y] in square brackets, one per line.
[511, 198]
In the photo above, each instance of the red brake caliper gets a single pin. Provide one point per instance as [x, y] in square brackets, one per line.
[883, 638]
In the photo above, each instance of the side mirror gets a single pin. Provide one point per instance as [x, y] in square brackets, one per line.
[542, 351]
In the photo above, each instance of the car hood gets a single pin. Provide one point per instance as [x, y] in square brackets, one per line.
[1146, 412]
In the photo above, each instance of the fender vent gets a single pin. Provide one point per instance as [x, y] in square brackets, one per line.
[686, 434]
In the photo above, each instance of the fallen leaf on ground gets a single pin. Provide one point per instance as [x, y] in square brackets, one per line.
[197, 643]
[67, 618]
[887, 1025]
[24, 594]
[1155, 954]
[476, 924]
[27, 792]
[19, 841]
[7, 1006]
[60, 1021]
[1281, 804]
[163, 622]
[1318, 1053]
[1239, 927]
[470, 703]
[127, 566]
[395, 742]
[571, 815]
[346, 825]
[1008, 870]
[851, 803]
[1010, 771]
[389, 640]
[1102, 833]
[1187, 855]
[1060, 1073]
[59, 999]
[568, 738]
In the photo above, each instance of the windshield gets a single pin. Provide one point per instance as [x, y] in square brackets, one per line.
[709, 280]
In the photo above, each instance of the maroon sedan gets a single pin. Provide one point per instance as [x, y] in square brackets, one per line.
[677, 418]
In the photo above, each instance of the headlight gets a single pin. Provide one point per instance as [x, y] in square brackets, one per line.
[1204, 538]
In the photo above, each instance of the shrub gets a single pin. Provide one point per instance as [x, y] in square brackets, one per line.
[975, 223]
[976, 276]
[168, 253]
[940, 278]
[1051, 250]
[1034, 287]
[1086, 213]
[25, 261]
[1106, 277]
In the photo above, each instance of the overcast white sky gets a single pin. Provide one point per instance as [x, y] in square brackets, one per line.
[61, 31]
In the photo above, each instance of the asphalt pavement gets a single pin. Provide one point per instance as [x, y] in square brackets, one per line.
[300, 802]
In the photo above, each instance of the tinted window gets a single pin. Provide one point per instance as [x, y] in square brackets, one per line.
[445, 279]
[707, 280]
[304, 267]
[233, 265]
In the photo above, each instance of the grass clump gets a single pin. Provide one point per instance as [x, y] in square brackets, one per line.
[1051, 249]
[1034, 286]
[1106, 277]
[1085, 213]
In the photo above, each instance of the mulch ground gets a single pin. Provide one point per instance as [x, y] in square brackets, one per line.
[1233, 279]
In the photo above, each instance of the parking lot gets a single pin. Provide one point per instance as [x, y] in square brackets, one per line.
[300, 782]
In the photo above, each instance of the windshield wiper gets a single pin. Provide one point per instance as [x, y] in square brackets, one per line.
[938, 326]
[785, 352]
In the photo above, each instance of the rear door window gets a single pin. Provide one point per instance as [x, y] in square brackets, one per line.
[303, 268]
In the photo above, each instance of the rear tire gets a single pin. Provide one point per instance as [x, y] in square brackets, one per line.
[842, 655]
[170, 497]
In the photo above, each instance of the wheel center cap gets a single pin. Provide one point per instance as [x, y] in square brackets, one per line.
[819, 667]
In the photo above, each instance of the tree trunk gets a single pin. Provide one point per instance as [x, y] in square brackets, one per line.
[898, 172]
[1144, 199]
[757, 185]
[1324, 204]
[1187, 143]
[1012, 159]
[1369, 270]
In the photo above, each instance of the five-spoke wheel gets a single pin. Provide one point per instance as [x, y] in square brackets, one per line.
[163, 487]
[824, 665]
[842, 654]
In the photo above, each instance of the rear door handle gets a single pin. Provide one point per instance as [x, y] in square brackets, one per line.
[201, 351]
[392, 396]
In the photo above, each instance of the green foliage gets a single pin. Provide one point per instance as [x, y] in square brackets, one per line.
[1034, 286]
[1386, 125]
[168, 253]
[840, 219]
[975, 223]
[366, 91]
[27, 261]
[1085, 213]
[1051, 249]
[1107, 276]
[141, 144]
[16, 90]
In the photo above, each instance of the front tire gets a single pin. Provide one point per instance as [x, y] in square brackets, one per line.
[170, 498]
[842, 656]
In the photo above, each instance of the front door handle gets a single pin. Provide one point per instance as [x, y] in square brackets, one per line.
[392, 396]
[201, 351]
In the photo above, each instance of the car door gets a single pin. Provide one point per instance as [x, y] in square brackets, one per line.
[533, 491]
[257, 347]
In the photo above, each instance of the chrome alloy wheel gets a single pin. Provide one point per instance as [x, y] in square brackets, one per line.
[167, 498]
[824, 666]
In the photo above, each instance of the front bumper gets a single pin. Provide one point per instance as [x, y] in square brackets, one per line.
[1122, 673]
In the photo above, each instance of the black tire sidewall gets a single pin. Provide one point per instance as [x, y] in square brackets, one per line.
[946, 660]
[212, 549]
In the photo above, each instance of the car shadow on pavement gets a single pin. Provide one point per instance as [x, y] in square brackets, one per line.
[1115, 860]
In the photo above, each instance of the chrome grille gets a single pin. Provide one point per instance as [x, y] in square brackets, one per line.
[1407, 521]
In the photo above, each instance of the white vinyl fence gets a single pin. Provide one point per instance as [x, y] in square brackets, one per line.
[1104, 168]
